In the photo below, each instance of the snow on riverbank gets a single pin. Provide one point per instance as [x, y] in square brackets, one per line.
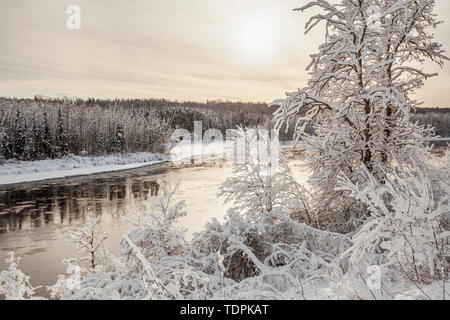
[12, 171]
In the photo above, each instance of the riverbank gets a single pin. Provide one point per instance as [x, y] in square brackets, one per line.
[13, 171]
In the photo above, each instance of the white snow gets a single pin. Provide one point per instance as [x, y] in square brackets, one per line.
[12, 171]
[441, 139]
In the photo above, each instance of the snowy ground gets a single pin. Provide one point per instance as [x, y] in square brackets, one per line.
[12, 172]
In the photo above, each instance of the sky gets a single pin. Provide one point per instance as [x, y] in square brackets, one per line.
[198, 50]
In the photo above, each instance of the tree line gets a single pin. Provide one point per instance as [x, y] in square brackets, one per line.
[40, 128]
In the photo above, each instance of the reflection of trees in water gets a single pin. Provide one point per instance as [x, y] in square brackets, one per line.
[39, 206]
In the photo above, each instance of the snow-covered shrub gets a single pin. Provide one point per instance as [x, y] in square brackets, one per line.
[266, 199]
[250, 247]
[257, 188]
[406, 230]
[274, 258]
[136, 273]
[155, 232]
[188, 277]
[99, 285]
[14, 284]
[239, 240]
[260, 186]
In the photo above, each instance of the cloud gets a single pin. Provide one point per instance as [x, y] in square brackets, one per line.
[174, 49]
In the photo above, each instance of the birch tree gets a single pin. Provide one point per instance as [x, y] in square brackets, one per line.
[358, 97]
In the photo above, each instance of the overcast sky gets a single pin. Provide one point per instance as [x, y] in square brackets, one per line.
[252, 50]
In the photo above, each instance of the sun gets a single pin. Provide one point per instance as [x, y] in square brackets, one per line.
[256, 38]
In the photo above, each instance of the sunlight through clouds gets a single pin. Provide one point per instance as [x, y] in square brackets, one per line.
[175, 49]
[255, 38]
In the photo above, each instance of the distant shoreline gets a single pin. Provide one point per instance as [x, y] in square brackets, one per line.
[18, 172]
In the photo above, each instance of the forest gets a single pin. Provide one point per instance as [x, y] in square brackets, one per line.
[35, 129]
[40, 128]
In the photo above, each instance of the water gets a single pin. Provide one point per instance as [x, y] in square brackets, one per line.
[34, 216]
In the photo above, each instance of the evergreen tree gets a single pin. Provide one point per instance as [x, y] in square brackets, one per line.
[30, 146]
[46, 143]
[36, 140]
[118, 141]
[19, 137]
[61, 144]
[7, 148]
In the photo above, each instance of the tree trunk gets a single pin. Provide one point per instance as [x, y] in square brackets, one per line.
[367, 154]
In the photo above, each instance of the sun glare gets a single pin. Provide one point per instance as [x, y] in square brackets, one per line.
[256, 39]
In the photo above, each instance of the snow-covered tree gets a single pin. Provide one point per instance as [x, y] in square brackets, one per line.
[6, 145]
[61, 144]
[87, 242]
[358, 98]
[118, 140]
[45, 144]
[19, 138]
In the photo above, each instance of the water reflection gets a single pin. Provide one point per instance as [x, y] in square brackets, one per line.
[65, 204]
[34, 216]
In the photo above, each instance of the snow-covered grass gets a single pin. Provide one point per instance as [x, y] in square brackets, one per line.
[13, 171]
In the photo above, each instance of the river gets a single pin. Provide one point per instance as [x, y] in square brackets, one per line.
[34, 217]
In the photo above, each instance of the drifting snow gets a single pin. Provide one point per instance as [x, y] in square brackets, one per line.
[13, 171]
